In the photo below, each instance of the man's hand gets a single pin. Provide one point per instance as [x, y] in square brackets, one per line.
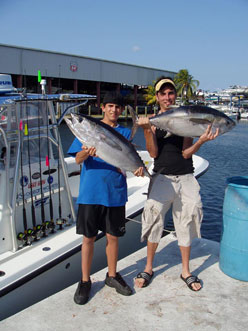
[208, 135]
[144, 122]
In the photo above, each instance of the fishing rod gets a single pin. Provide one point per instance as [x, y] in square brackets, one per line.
[45, 224]
[26, 235]
[51, 224]
[22, 236]
[60, 221]
[26, 133]
[43, 220]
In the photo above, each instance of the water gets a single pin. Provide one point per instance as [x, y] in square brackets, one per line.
[227, 156]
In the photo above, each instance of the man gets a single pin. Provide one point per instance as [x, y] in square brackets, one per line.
[102, 198]
[176, 186]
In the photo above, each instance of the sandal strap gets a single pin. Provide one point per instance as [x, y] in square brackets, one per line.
[192, 279]
[144, 275]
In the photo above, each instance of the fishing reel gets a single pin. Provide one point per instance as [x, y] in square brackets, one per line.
[68, 220]
[26, 237]
[38, 232]
[22, 238]
[60, 222]
[45, 228]
[51, 226]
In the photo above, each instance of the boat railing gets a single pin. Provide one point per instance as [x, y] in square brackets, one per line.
[15, 141]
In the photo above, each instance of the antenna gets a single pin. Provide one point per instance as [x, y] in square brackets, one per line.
[42, 83]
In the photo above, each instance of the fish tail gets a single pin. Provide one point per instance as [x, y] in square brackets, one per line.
[135, 121]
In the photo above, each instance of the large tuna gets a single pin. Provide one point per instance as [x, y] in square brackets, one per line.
[192, 121]
[110, 145]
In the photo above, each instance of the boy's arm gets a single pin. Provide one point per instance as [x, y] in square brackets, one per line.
[84, 154]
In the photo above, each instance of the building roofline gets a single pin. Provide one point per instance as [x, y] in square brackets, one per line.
[84, 57]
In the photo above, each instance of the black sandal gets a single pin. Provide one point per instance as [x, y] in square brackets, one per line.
[191, 280]
[146, 276]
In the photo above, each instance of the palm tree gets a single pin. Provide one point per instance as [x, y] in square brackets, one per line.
[186, 85]
[150, 95]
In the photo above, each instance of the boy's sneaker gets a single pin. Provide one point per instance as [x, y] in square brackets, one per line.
[81, 295]
[119, 284]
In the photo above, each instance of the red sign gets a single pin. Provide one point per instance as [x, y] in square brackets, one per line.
[73, 66]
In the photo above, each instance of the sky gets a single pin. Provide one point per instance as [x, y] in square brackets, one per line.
[209, 38]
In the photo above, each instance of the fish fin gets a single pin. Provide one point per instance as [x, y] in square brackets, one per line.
[135, 120]
[200, 121]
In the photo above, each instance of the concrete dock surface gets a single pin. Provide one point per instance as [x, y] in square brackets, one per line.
[166, 304]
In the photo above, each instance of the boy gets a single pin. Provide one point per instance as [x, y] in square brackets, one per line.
[102, 198]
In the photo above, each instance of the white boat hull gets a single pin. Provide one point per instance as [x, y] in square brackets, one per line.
[53, 263]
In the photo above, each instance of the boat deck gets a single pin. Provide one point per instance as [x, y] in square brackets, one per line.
[167, 304]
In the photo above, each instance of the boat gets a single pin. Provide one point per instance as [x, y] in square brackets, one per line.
[40, 252]
[243, 114]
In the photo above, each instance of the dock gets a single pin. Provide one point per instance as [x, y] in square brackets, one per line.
[96, 112]
[166, 304]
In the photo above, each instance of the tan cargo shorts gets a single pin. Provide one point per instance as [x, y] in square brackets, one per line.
[183, 194]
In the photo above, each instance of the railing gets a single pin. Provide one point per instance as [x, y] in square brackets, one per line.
[97, 112]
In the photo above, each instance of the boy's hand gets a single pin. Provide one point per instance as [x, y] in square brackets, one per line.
[90, 151]
[139, 172]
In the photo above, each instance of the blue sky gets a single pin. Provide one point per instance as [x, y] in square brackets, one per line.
[207, 37]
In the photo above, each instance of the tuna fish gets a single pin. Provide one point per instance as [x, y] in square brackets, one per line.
[110, 145]
[192, 121]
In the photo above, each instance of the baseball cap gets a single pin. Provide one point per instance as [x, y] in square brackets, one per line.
[161, 82]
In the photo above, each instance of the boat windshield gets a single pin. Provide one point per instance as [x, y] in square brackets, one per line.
[25, 125]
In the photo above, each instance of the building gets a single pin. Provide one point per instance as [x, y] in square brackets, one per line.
[75, 74]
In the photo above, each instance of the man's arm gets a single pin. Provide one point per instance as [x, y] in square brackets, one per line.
[189, 148]
[149, 133]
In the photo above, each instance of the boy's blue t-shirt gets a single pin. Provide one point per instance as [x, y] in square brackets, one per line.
[100, 182]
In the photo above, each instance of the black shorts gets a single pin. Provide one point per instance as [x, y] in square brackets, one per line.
[92, 218]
